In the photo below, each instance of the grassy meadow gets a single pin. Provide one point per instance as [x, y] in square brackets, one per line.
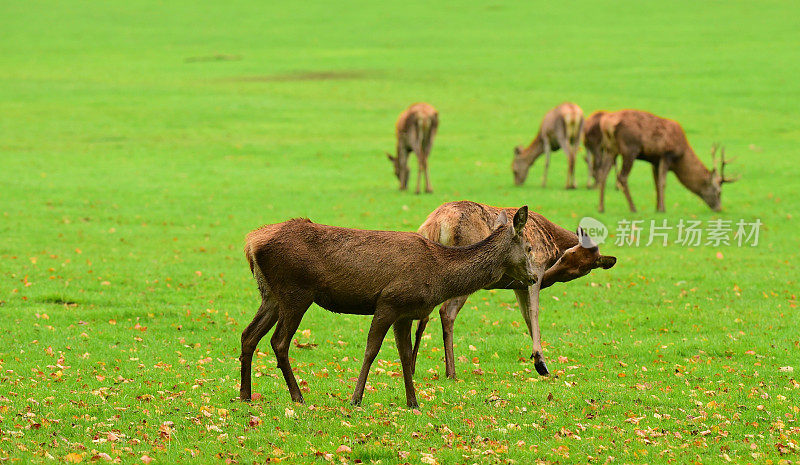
[141, 140]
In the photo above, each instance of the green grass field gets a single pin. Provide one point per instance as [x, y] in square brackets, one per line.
[140, 141]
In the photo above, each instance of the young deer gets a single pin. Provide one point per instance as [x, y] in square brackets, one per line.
[561, 128]
[415, 130]
[558, 256]
[395, 276]
[635, 134]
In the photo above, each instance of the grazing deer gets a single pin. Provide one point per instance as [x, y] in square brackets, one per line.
[592, 142]
[561, 128]
[635, 134]
[558, 255]
[415, 130]
[395, 276]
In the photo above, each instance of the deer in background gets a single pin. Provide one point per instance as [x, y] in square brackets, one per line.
[561, 128]
[558, 255]
[635, 134]
[396, 276]
[593, 143]
[415, 130]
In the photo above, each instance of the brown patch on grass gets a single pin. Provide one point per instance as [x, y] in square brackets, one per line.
[306, 76]
[217, 57]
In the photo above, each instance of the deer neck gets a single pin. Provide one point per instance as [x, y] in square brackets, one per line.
[534, 150]
[474, 267]
[691, 172]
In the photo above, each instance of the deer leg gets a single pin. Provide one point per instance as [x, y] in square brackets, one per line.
[426, 149]
[602, 176]
[660, 176]
[428, 188]
[417, 341]
[570, 152]
[571, 168]
[402, 159]
[528, 300]
[281, 340]
[546, 145]
[402, 336]
[448, 313]
[420, 168]
[627, 164]
[264, 320]
[383, 319]
[591, 180]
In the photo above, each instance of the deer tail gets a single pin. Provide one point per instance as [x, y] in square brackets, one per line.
[248, 254]
[261, 281]
[424, 126]
[572, 123]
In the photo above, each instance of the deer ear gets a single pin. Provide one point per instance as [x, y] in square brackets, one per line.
[517, 150]
[501, 219]
[520, 218]
[605, 262]
[584, 239]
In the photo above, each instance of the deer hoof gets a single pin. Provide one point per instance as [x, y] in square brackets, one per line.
[541, 368]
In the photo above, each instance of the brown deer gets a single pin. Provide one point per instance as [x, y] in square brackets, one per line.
[593, 143]
[561, 128]
[635, 134]
[558, 255]
[415, 129]
[395, 276]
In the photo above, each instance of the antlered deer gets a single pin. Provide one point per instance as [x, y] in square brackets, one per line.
[395, 276]
[560, 129]
[558, 255]
[415, 130]
[635, 134]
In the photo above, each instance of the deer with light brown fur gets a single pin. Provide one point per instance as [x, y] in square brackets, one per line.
[639, 135]
[558, 255]
[395, 276]
[561, 128]
[415, 129]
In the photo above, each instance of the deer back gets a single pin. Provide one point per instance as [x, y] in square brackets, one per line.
[464, 222]
[654, 136]
[416, 123]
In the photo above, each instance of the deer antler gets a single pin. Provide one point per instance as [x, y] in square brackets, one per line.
[722, 167]
[714, 154]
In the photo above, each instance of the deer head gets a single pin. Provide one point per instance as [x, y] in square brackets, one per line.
[712, 191]
[400, 170]
[519, 166]
[579, 260]
[519, 263]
